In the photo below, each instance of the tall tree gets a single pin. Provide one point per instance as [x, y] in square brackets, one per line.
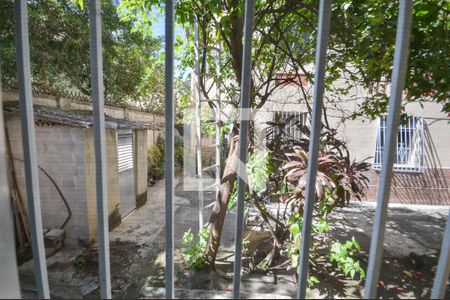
[59, 51]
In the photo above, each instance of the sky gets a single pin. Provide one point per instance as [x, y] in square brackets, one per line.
[158, 28]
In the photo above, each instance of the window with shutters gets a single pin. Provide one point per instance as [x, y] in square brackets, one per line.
[125, 151]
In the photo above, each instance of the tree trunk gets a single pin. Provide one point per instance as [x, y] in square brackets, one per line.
[219, 211]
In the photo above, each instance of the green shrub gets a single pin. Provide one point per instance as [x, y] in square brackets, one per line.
[259, 166]
[342, 255]
[79, 261]
[156, 157]
[192, 249]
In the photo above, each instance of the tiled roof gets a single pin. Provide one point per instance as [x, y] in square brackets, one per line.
[77, 118]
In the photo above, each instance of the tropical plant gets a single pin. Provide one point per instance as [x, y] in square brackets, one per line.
[342, 255]
[333, 172]
[193, 248]
[337, 182]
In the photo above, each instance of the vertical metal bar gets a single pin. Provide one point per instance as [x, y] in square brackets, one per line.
[400, 141]
[412, 143]
[243, 132]
[289, 126]
[415, 148]
[218, 117]
[383, 120]
[408, 144]
[198, 99]
[443, 270]
[9, 279]
[422, 130]
[378, 144]
[29, 147]
[169, 146]
[275, 119]
[96, 60]
[398, 83]
[319, 89]
[382, 141]
[198, 125]
[378, 147]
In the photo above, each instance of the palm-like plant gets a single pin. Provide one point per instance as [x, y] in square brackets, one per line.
[296, 168]
[335, 171]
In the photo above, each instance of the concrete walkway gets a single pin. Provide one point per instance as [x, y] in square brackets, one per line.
[409, 228]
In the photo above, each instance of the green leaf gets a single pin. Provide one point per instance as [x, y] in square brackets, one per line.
[262, 265]
[346, 5]
[352, 273]
[294, 229]
[356, 244]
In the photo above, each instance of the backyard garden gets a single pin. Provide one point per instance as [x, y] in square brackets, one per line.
[361, 50]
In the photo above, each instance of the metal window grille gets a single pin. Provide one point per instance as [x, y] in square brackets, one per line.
[295, 120]
[409, 146]
[389, 154]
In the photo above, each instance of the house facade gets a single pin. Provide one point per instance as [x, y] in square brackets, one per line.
[422, 166]
[422, 163]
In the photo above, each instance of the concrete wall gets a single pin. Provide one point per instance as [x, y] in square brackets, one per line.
[60, 152]
[154, 119]
[432, 185]
[112, 180]
[141, 166]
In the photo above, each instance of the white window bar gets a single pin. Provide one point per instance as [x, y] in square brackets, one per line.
[29, 147]
[197, 99]
[198, 125]
[243, 132]
[389, 153]
[9, 278]
[316, 125]
[169, 145]
[292, 128]
[443, 270]
[218, 113]
[95, 46]
[409, 147]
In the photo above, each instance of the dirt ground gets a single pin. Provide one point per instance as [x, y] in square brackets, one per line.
[412, 242]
